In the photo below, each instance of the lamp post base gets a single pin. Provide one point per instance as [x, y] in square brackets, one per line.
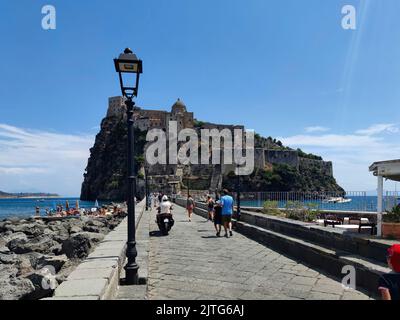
[131, 275]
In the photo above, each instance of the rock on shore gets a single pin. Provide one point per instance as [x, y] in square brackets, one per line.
[36, 256]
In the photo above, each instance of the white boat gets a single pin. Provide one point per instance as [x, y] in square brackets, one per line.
[337, 200]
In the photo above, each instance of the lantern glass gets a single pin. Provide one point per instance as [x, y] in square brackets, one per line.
[129, 68]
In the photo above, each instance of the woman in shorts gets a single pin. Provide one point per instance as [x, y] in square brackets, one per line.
[210, 208]
[218, 217]
[190, 207]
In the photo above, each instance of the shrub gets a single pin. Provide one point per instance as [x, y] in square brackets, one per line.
[271, 208]
[392, 216]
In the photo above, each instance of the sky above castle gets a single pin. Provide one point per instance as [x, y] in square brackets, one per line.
[285, 68]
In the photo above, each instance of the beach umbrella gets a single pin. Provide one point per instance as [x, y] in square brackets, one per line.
[77, 204]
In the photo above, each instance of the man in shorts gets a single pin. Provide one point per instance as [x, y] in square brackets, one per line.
[227, 211]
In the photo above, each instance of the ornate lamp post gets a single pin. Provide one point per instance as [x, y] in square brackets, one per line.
[129, 65]
[147, 192]
[238, 196]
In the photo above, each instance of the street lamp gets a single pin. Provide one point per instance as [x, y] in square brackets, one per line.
[147, 191]
[129, 65]
[238, 196]
[189, 172]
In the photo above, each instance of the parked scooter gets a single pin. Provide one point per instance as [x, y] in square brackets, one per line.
[165, 219]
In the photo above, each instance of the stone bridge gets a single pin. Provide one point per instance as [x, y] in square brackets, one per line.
[193, 263]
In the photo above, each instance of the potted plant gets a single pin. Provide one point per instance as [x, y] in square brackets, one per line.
[391, 224]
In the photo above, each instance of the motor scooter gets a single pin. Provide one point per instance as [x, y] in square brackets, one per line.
[165, 222]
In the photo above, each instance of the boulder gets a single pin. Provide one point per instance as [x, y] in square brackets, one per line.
[8, 258]
[15, 288]
[42, 244]
[4, 249]
[95, 229]
[75, 229]
[14, 236]
[14, 220]
[54, 225]
[33, 258]
[79, 245]
[61, 236]
[3, 226]
[56, 261]
[96, 223]
[30, 229]
[24, 265]
[56, 249]
[71, 223]
[11, 287]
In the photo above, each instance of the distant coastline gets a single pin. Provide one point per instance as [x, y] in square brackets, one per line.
[28, 195]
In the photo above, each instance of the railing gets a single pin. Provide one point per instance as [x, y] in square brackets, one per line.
[337, 201]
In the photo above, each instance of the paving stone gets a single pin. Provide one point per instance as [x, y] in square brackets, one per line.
[322, 296]
[303, 280]
[190, 263]
[76, 288]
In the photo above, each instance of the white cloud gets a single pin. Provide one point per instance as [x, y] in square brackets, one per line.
[352, 154]
[41, 160]
[316, 129]
[379, 128]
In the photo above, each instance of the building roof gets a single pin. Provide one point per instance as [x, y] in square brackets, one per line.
[388, 169]
[179, 106]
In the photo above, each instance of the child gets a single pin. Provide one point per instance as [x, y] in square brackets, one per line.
[389, 284]
[210, 206]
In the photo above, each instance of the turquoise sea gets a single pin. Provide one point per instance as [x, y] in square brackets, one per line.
[26, 207]
[362, 203]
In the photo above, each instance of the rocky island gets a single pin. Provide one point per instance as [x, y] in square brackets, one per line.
[277, 167]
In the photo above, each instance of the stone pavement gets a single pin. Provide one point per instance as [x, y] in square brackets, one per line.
[192, 263]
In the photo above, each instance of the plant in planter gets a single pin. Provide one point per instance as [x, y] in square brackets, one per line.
[391, 224]
[271, 208]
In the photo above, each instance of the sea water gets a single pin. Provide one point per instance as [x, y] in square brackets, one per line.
[25, 208]
[357, 203]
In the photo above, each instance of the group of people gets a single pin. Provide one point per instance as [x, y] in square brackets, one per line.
[220, 212]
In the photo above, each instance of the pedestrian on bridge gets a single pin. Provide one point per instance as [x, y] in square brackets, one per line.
[210, 208]
[190, 207]
[227, 211]
[218, 217]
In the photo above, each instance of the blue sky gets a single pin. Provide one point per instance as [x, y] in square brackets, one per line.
[285, 68]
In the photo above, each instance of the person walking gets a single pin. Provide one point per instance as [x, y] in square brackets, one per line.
[227, 211]
[389, 283]
[190, 207]
[218, 217]
[210, 207]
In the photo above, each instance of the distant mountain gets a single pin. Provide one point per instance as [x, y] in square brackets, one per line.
[4, 194]
[27, 195]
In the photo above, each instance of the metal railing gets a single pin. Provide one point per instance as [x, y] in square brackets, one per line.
[335, 201]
